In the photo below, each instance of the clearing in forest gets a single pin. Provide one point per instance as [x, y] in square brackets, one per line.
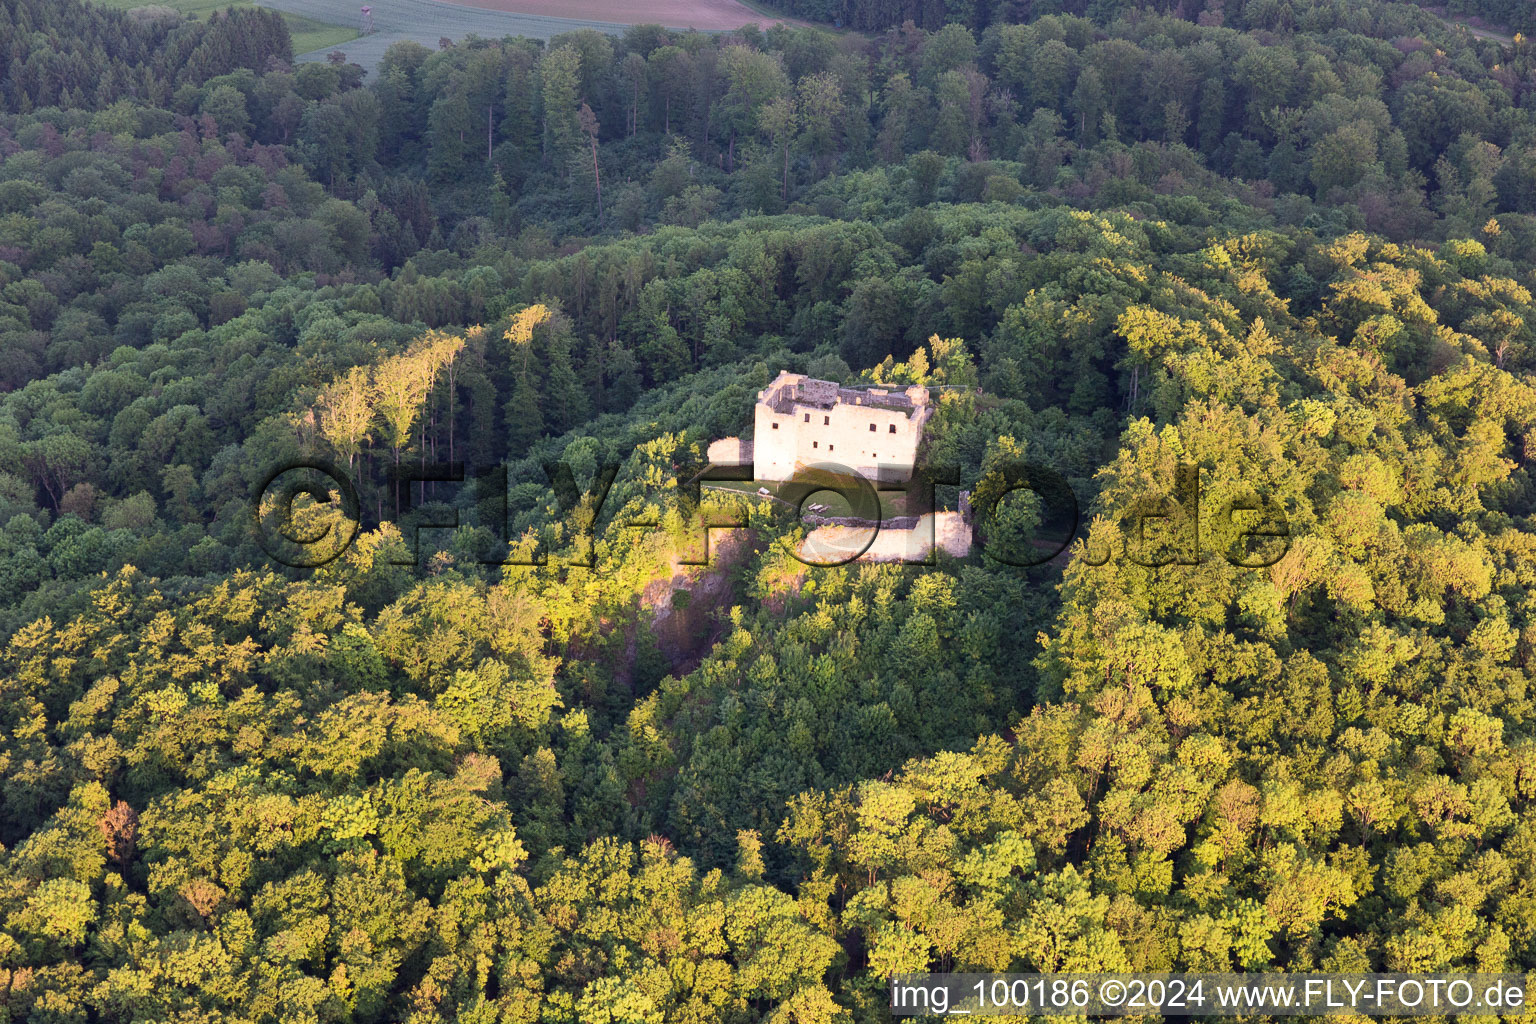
[704, 15]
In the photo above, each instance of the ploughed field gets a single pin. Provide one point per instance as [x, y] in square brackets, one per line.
[428, 21]
[705, 15]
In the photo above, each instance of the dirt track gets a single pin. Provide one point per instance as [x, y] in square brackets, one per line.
[1474, 26]
[1481, 33]
[427, 21]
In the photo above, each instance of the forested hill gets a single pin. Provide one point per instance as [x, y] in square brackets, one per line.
[1288, 248]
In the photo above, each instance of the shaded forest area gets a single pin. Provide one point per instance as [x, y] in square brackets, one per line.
[1287, 242]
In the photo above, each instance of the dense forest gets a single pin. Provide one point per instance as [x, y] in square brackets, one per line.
[1273, 15]
[557, 765]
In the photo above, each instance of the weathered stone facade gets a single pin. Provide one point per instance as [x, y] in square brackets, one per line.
[801, 421]
[730, 451]
[946, 531]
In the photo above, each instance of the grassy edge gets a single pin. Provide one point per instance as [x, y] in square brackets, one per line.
[309, 35]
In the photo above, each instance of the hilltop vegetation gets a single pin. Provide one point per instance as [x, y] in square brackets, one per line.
[1291, 246]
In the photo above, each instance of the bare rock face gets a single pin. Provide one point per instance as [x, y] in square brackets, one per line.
[689, 610]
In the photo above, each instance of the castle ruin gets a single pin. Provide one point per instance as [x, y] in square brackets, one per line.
[801, 421]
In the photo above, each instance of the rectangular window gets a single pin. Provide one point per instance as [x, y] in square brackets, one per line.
[893, 428]
[871, 428]
[807, 417]
[775, 426]
[826, 420]
[830, 447]
[815, 444]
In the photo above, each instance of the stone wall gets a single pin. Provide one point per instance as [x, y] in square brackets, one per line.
[947, 530]
[730, 451]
